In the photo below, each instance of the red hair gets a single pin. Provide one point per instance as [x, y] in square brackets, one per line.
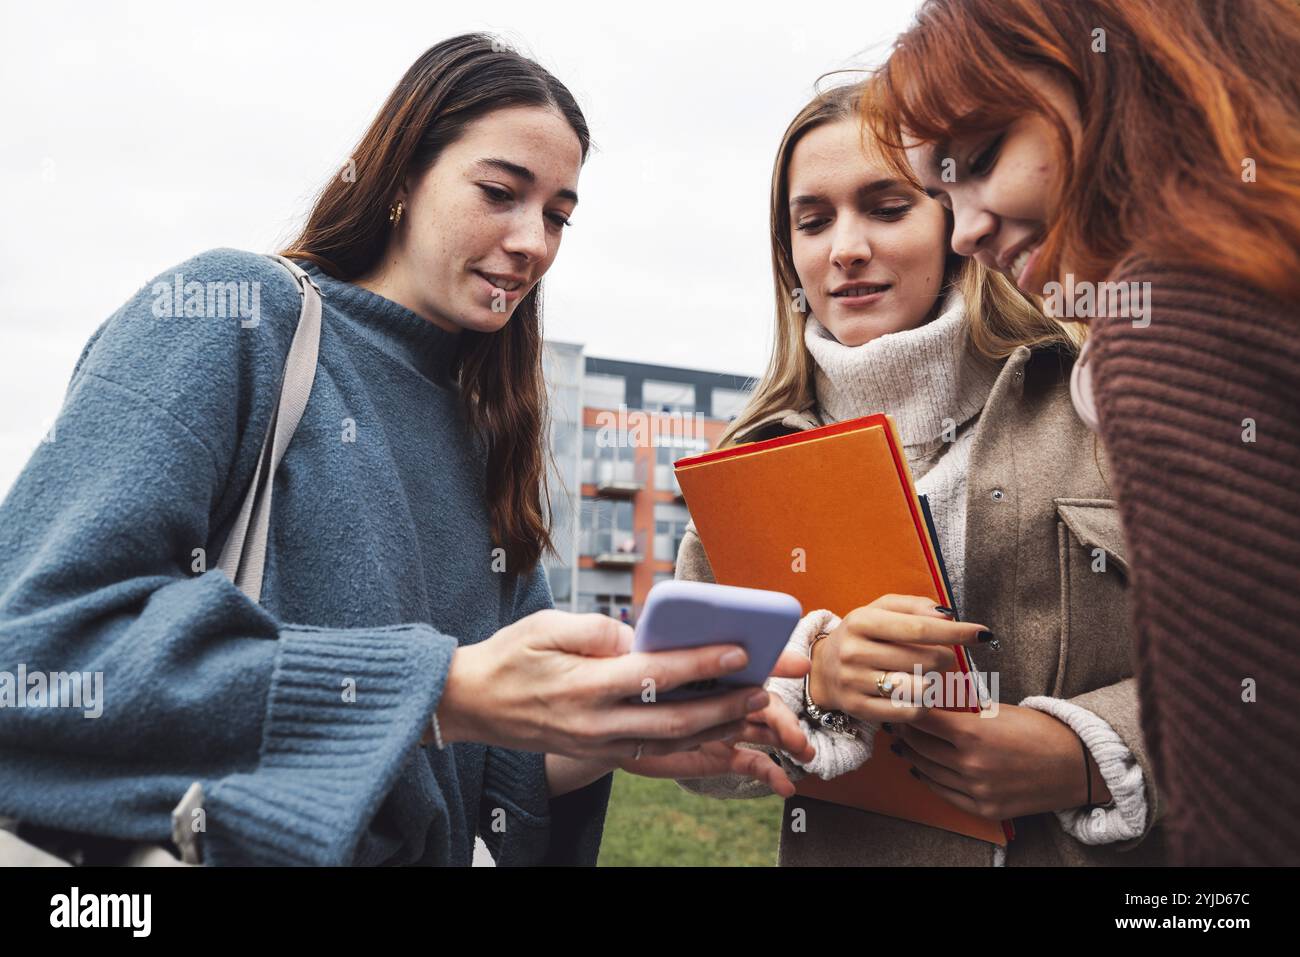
[1185, 93]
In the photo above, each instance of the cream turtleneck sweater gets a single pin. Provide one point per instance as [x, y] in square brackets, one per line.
[933, 385]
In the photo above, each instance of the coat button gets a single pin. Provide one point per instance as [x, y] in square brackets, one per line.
[998, 495]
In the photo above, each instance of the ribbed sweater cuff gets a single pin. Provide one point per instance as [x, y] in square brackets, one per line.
[1125, 817]
[835, 753]
[344, 712]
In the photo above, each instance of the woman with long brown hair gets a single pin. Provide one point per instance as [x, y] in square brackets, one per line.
[1136, 163]
[399, 599]
[875, 314]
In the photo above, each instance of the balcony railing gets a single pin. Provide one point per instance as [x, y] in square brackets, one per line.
[618, 478]
[610, 548]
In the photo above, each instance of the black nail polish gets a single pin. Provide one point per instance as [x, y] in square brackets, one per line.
[915, 773]
[944, 610]
[896, 748]
[987, 636]
[887, 727]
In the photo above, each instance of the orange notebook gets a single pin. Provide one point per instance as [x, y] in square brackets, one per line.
[831, 516]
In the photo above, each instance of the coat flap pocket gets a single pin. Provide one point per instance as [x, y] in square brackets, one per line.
[1095, 523]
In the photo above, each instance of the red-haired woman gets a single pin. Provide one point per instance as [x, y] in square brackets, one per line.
[1137, 164]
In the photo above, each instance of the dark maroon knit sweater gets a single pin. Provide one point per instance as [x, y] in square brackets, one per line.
[1213, 529]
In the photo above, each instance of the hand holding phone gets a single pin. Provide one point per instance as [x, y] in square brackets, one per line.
[683, 614]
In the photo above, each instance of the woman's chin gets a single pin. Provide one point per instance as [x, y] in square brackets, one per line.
[859, 331]
[484, 319]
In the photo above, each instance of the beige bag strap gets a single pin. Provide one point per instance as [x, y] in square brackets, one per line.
[243, 557]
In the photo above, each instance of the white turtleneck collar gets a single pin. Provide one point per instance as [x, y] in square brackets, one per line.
[926, 378]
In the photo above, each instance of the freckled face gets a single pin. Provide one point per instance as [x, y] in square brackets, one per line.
[483, 224]
[1000, 186]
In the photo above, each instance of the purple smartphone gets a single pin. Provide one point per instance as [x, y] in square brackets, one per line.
[680, 614]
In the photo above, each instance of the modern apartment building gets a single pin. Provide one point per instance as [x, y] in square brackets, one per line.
[616, 428]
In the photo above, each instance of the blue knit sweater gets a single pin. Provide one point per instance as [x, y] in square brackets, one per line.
[301, 716]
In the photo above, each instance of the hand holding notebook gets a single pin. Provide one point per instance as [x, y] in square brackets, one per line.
[868, 665]
[832, 517]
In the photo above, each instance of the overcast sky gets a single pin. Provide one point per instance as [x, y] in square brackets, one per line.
[137, 134]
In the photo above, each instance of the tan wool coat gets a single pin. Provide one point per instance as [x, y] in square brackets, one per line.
[1038, 506]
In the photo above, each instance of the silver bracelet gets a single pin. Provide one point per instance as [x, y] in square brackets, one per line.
[836, 721]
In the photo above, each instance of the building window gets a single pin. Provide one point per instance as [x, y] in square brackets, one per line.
[666, 455]
[727, 403]
[613, 462]
[607, 527]
[659, 396]
[670, 527]
[601, 391]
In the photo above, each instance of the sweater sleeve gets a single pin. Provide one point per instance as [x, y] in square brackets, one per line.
[1131, 812]
[1199, 406]
[835, 753]
[105, 539]
[518, 820]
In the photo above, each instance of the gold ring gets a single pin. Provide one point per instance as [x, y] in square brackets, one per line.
[884, 684]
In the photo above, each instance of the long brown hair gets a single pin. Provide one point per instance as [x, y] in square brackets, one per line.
[1187, 99]
[499, 374]
[998, 318]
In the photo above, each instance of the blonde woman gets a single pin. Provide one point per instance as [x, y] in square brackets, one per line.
[977, 381]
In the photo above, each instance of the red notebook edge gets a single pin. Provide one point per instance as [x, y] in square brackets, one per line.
[848, 425]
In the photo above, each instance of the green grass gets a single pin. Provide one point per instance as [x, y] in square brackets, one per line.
[654, 822]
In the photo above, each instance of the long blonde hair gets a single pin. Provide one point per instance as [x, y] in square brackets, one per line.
[1000, 319]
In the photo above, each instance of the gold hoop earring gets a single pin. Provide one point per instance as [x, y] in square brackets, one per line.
[395, 213]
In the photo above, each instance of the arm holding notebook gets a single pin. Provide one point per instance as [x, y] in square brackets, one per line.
[1104, 720]
[1049, 754]
[1028, 757]
[866, 665]
[1027, 760]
